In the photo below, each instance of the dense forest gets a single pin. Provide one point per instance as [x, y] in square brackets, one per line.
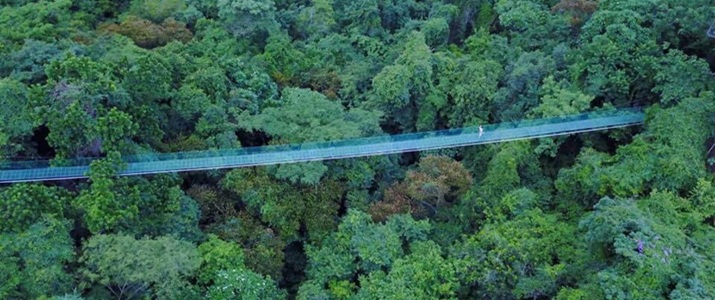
[619, 214]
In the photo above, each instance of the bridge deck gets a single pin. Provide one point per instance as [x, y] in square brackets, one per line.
[271, 155]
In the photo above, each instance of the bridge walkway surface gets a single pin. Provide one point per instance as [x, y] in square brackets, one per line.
[155, 163]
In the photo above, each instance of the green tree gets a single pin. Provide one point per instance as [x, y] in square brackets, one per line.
[423, 274]
[209, 8]
[473, 91]
[530, 24]
[303, 109]
[25, 204]
[363, 247]
[212, 81]
[673, 88]
[139, 206]
[215, 128]
[149, 78]
[511, 168]
[288, 208]
[286, 64]
[27, 64]
[72, 102]
[243, 18]
[223, 266]
[17, 116]
[217, 255]
[522, 257]
[664, 160]
[166, 265]
[244, 284]
[360, 16]
[41, 20]
[617, 55]
[262, 246]
[190, 102]
[436, 28]
[560, 99]
[396, 15]
[156, 10]
[34, 262]
[522, 82]
[703, 197]
[646, 248]
[318, 19]
[115, 129]
[405, 89]
[102, 210]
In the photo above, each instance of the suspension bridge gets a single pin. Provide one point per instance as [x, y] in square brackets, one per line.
[156, 163]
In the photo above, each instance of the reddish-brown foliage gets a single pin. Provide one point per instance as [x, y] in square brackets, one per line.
[439, 178]
[281, 79]
[147, 34]
[327, 83]
[176, 30]
[578, 10]
[437, 181]
[395, 201]
[183, 143]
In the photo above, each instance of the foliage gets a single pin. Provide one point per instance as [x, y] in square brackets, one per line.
[17, 115]
[327, 121]
[34, 261]
[103, 81]
[363, 247]
[262, 247]
[243, 284]
[166, 264]
[317, 19]
[560, 100]
[406, 86]
[25, 204]
[664, 160]
[139, 206]
[523, 256]
[436, 182]
[41, 20]
[95, 201]
[648, 242]
[285, 207]
[217, 255]
[156, 10]
[28, 63]
[147, 34]
[223, 266]
[424, 274]
[243, 18]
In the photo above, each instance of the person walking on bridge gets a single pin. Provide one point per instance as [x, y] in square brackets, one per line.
[481, 130]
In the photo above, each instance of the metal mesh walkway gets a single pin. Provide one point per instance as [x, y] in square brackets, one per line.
[27, 171]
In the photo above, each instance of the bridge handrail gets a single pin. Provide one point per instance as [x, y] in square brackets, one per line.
[362, 141]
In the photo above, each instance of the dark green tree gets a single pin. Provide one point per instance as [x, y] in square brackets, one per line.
[244, 18]
[17, 116]
[166, 265]
[35, 261]
[376, 251]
